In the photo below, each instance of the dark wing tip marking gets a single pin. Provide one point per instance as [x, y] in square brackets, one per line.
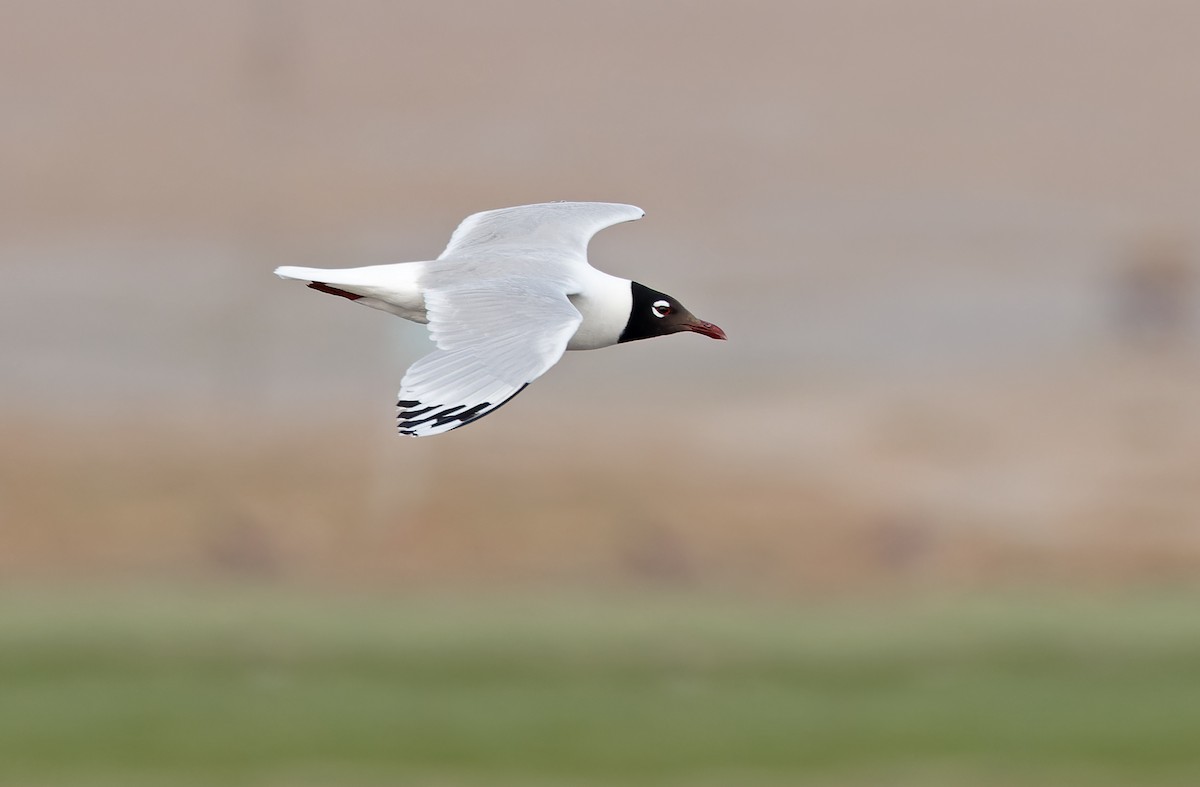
[411, 414]
[409, 419]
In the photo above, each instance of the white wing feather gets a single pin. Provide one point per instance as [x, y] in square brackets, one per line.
[562, 227]
[493, 339]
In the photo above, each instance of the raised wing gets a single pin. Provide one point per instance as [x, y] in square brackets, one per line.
[493, 340]
[563, 227]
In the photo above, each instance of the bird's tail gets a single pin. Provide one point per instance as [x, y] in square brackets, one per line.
[324, 280]
[392, 288]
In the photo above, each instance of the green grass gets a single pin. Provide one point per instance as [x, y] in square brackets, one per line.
[252, 687]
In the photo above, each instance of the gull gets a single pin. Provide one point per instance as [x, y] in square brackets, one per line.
[512, 291]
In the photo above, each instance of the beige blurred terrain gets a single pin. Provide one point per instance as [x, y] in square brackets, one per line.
[956, 247]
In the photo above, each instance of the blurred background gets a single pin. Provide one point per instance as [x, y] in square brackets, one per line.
[931, 516]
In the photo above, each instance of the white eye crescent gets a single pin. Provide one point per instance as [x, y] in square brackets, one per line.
[662, 308]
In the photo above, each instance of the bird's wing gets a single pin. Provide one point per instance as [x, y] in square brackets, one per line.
[562, 227]
[493, 339]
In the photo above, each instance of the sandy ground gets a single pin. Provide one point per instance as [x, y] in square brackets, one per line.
[1071, 477]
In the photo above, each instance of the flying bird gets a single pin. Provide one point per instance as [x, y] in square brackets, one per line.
[512, 291]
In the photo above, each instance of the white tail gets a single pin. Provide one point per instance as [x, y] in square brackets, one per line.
[392, 288]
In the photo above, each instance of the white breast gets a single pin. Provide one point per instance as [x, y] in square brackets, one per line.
[605, 302]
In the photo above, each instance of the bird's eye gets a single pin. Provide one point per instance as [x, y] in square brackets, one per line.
[661, 308]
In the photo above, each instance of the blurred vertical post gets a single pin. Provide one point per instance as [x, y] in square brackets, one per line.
[1155, 296]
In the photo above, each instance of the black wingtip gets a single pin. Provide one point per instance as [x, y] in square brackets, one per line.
[440, 415]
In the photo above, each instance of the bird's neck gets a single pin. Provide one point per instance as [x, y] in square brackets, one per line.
[604, 301]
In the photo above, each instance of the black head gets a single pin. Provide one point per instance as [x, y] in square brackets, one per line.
[655, 313]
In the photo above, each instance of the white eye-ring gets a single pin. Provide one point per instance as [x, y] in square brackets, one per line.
[662, 308]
